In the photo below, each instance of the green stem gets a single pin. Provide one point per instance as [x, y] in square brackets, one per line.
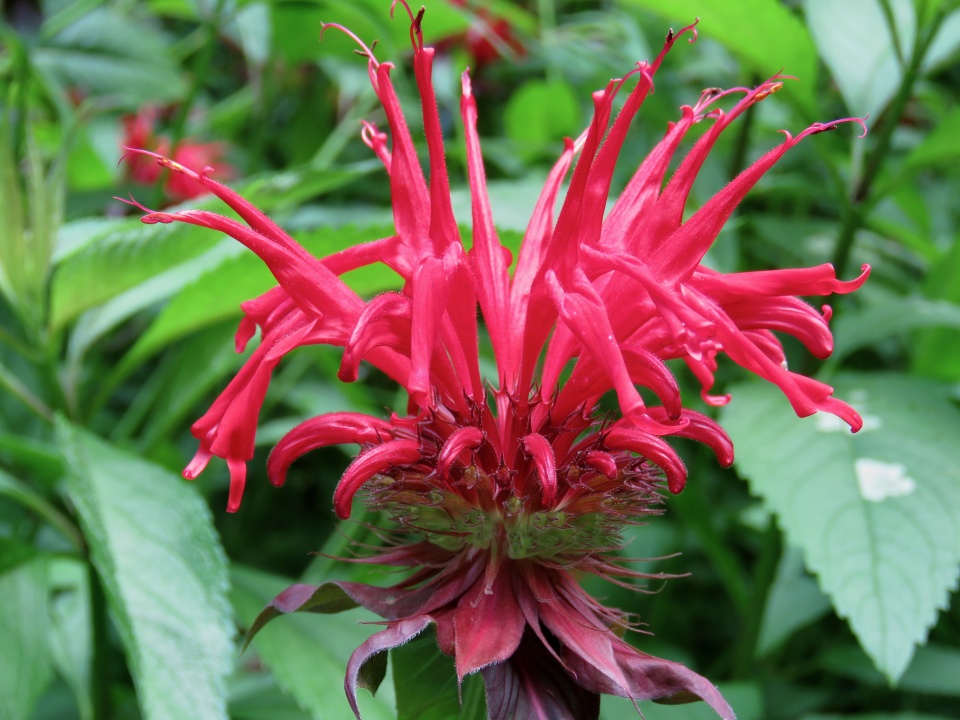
[26, 496]
[20, 391]
[547, 11]
[765, 571]
[696, 513]
[100, 660]
[200, 73]
[861, 199]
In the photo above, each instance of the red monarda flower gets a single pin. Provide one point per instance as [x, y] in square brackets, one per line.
[138, 132]
[486, 39]
[504, 488]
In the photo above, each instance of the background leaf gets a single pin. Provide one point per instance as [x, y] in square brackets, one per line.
[854, 41]
[163, 572]
[25, 667]
[426, 683]
[762, 33]
[308, 654]
[876, 514]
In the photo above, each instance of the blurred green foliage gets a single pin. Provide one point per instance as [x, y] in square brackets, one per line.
[123, 590]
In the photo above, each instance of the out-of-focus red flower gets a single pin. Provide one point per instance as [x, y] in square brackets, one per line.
[502, 488]
[139, 132]
[486, 39]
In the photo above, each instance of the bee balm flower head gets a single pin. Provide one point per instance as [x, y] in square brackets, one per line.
[502, 488]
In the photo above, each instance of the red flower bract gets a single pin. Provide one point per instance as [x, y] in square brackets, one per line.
[501, 488]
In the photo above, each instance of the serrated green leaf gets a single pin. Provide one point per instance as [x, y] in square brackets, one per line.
[876, 514]
[308, 654]
[25, 667]
[762, 33]
[153, 544]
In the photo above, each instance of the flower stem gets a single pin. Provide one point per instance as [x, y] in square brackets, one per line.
[861, 199]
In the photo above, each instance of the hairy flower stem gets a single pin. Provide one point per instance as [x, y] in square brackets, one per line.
[860, 199]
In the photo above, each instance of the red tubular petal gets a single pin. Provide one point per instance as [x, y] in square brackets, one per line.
[408, 189]
[368, 464]
[490, 269]
[563, 249]
[198, 464]
[819, 280]
[603, 462]
[623, 226]
[464, 438]
[543, 456]
[385, 320]
[309, 283]
[331, 429]
[238, 479]
[433, 281]
[588, 320]
[489, 625]
[704, 430]
[626, 437]
[443, 224]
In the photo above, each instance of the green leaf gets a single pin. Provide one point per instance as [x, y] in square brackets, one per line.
[795, 600]
[745, 698]
[939, 148]
[934, 352]
[854, 41]
[69, 631]
[153, 544]
[540, 112]
[25, 666]
[877, 514]
[308, 655]
[764, 34]
[107, 52]
[103, 260]
[216, 293]
[426, 683]
[122, 257]
[935, 669]
[878, 716]
[892, 317]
